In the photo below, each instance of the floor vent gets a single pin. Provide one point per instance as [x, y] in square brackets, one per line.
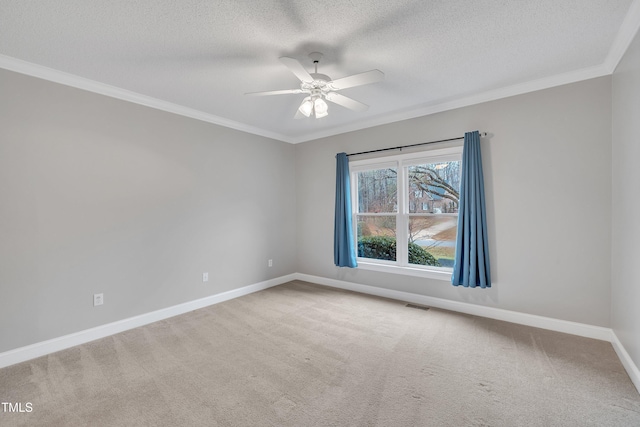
[419, 307]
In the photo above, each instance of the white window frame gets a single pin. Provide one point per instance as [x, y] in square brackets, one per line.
[401, 162]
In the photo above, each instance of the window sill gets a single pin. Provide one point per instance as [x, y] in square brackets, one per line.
[444, 275]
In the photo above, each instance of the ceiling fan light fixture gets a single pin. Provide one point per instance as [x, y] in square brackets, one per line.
[321, 88]
[306, 107]
[321, 108]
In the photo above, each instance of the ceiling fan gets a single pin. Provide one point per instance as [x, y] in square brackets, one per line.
[320, 87]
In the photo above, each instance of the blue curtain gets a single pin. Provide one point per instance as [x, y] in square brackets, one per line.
[344, 251]
[471, 265]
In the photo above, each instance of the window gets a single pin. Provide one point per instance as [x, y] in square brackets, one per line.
[405, 212]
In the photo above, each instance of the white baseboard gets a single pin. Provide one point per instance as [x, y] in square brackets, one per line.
[29, 352]
[558, 325]
[32, 351]
[627, 362]
[574, 328]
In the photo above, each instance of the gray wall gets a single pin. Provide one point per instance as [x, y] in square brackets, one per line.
[548, 182]
[101, 195]
[625, 285]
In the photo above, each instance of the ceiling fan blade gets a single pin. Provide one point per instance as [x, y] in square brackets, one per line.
[365, 78]
[347, 102]
[274, 92]
[299, 115]
[297, 69]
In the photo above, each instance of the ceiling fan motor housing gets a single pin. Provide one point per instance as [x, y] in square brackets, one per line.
[323, 77]
[320, 87]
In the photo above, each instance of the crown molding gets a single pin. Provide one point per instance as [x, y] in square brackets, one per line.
[67, 79]
[492, 95]
[626, 34]
[61, 77]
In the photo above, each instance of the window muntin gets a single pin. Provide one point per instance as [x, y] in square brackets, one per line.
[407, 208]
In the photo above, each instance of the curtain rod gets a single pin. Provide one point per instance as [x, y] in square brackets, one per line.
[400, 147]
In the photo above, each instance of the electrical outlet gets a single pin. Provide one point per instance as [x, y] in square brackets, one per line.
[270, 263]
[205, 277]
[98, 299]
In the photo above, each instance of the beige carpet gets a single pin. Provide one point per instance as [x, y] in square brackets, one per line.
[306, 355]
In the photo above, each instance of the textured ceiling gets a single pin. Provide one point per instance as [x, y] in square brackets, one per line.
[199, 57]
